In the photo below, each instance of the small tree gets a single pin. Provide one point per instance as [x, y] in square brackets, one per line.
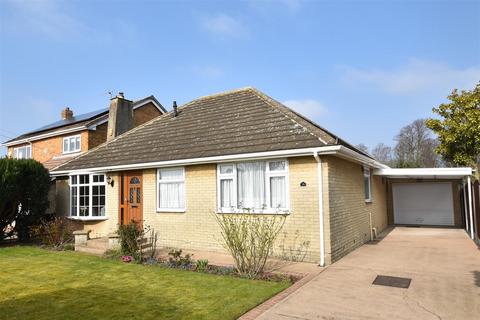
[249, 238]
[24, 186]
[458, 129]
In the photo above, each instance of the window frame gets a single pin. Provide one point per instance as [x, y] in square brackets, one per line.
[79, 136]
[26, 147]
[268, 174]
[90, 185]
[182, 180]
[367, 176]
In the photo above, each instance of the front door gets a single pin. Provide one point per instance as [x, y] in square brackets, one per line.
[131, 197]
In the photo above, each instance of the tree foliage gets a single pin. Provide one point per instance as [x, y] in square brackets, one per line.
[458, 128]
[24, 186]
[416, 147]
[383, 153]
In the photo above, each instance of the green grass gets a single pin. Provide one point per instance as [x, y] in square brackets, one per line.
[40, 284]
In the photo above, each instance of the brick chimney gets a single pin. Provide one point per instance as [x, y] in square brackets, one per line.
[120, 117]
[67, 114]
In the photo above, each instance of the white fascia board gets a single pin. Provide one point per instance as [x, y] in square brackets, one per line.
[43, 136]
[327, 150]
[424, 172]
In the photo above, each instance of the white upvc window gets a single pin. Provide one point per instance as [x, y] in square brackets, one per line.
[171, 189]
[24, 152]
[72, 144]
[256, 187]
[87, 196]
[367, 182]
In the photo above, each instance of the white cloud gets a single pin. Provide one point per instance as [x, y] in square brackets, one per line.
[210, 72]
[308, 107]
[225, 25]
[56, 20]
[47, 17]
[416, 76]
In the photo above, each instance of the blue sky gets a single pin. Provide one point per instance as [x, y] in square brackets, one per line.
[362, 69]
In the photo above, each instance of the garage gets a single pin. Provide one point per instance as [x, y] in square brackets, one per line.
[441, 197]
[426, 204]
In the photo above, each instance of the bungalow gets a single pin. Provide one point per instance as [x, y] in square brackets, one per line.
[242, 150]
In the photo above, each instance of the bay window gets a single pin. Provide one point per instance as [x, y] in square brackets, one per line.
[87, 196]
[171, 189]
[259, 186]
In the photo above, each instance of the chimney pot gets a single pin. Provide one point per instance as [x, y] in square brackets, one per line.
[120, 95]
[175, 109]
[67, 114]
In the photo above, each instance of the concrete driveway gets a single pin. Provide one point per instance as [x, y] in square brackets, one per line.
[444, 266]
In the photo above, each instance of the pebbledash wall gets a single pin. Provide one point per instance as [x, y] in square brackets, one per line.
[346, 215]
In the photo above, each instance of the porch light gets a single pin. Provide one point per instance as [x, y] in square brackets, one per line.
[110, 181]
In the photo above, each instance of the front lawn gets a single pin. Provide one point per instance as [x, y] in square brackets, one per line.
[40, 284]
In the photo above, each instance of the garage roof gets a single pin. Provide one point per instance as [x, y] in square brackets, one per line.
[424, 173]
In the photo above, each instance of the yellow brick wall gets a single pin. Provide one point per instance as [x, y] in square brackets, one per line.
[197, 227]
[348, 213]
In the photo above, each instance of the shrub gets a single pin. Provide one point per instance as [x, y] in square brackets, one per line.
[56, 233]
[177, 260]
[201, 265]
[137, 242]
[296, 252]
[24, 186]
[130, 235]
[250, 239]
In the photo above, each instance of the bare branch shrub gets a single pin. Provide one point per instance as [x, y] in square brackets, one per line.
[296, 251]
[249, 238]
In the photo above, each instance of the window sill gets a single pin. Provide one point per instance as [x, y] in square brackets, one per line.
[88, 218]
[71, 152]
[269, 212]
[369, 201]
[159, 210]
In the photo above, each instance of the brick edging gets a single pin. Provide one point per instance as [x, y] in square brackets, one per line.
[266, 305]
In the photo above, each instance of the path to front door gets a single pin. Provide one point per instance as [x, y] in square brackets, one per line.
[444, 265]
[131, 197]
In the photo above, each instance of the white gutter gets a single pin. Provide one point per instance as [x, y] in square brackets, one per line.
[340, 151]
[43, 136]
[320, 209]
[470, 205]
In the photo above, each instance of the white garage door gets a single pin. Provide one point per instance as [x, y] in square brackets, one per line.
[423, 203]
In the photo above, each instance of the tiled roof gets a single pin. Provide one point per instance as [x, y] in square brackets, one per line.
[234, 122]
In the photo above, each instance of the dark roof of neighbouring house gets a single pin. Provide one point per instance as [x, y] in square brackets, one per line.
[234, 122]
[78, 121]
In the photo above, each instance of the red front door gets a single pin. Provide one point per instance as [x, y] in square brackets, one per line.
[131, 197]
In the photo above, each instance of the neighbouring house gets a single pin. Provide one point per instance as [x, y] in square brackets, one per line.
[72, 135]
[241, 151]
